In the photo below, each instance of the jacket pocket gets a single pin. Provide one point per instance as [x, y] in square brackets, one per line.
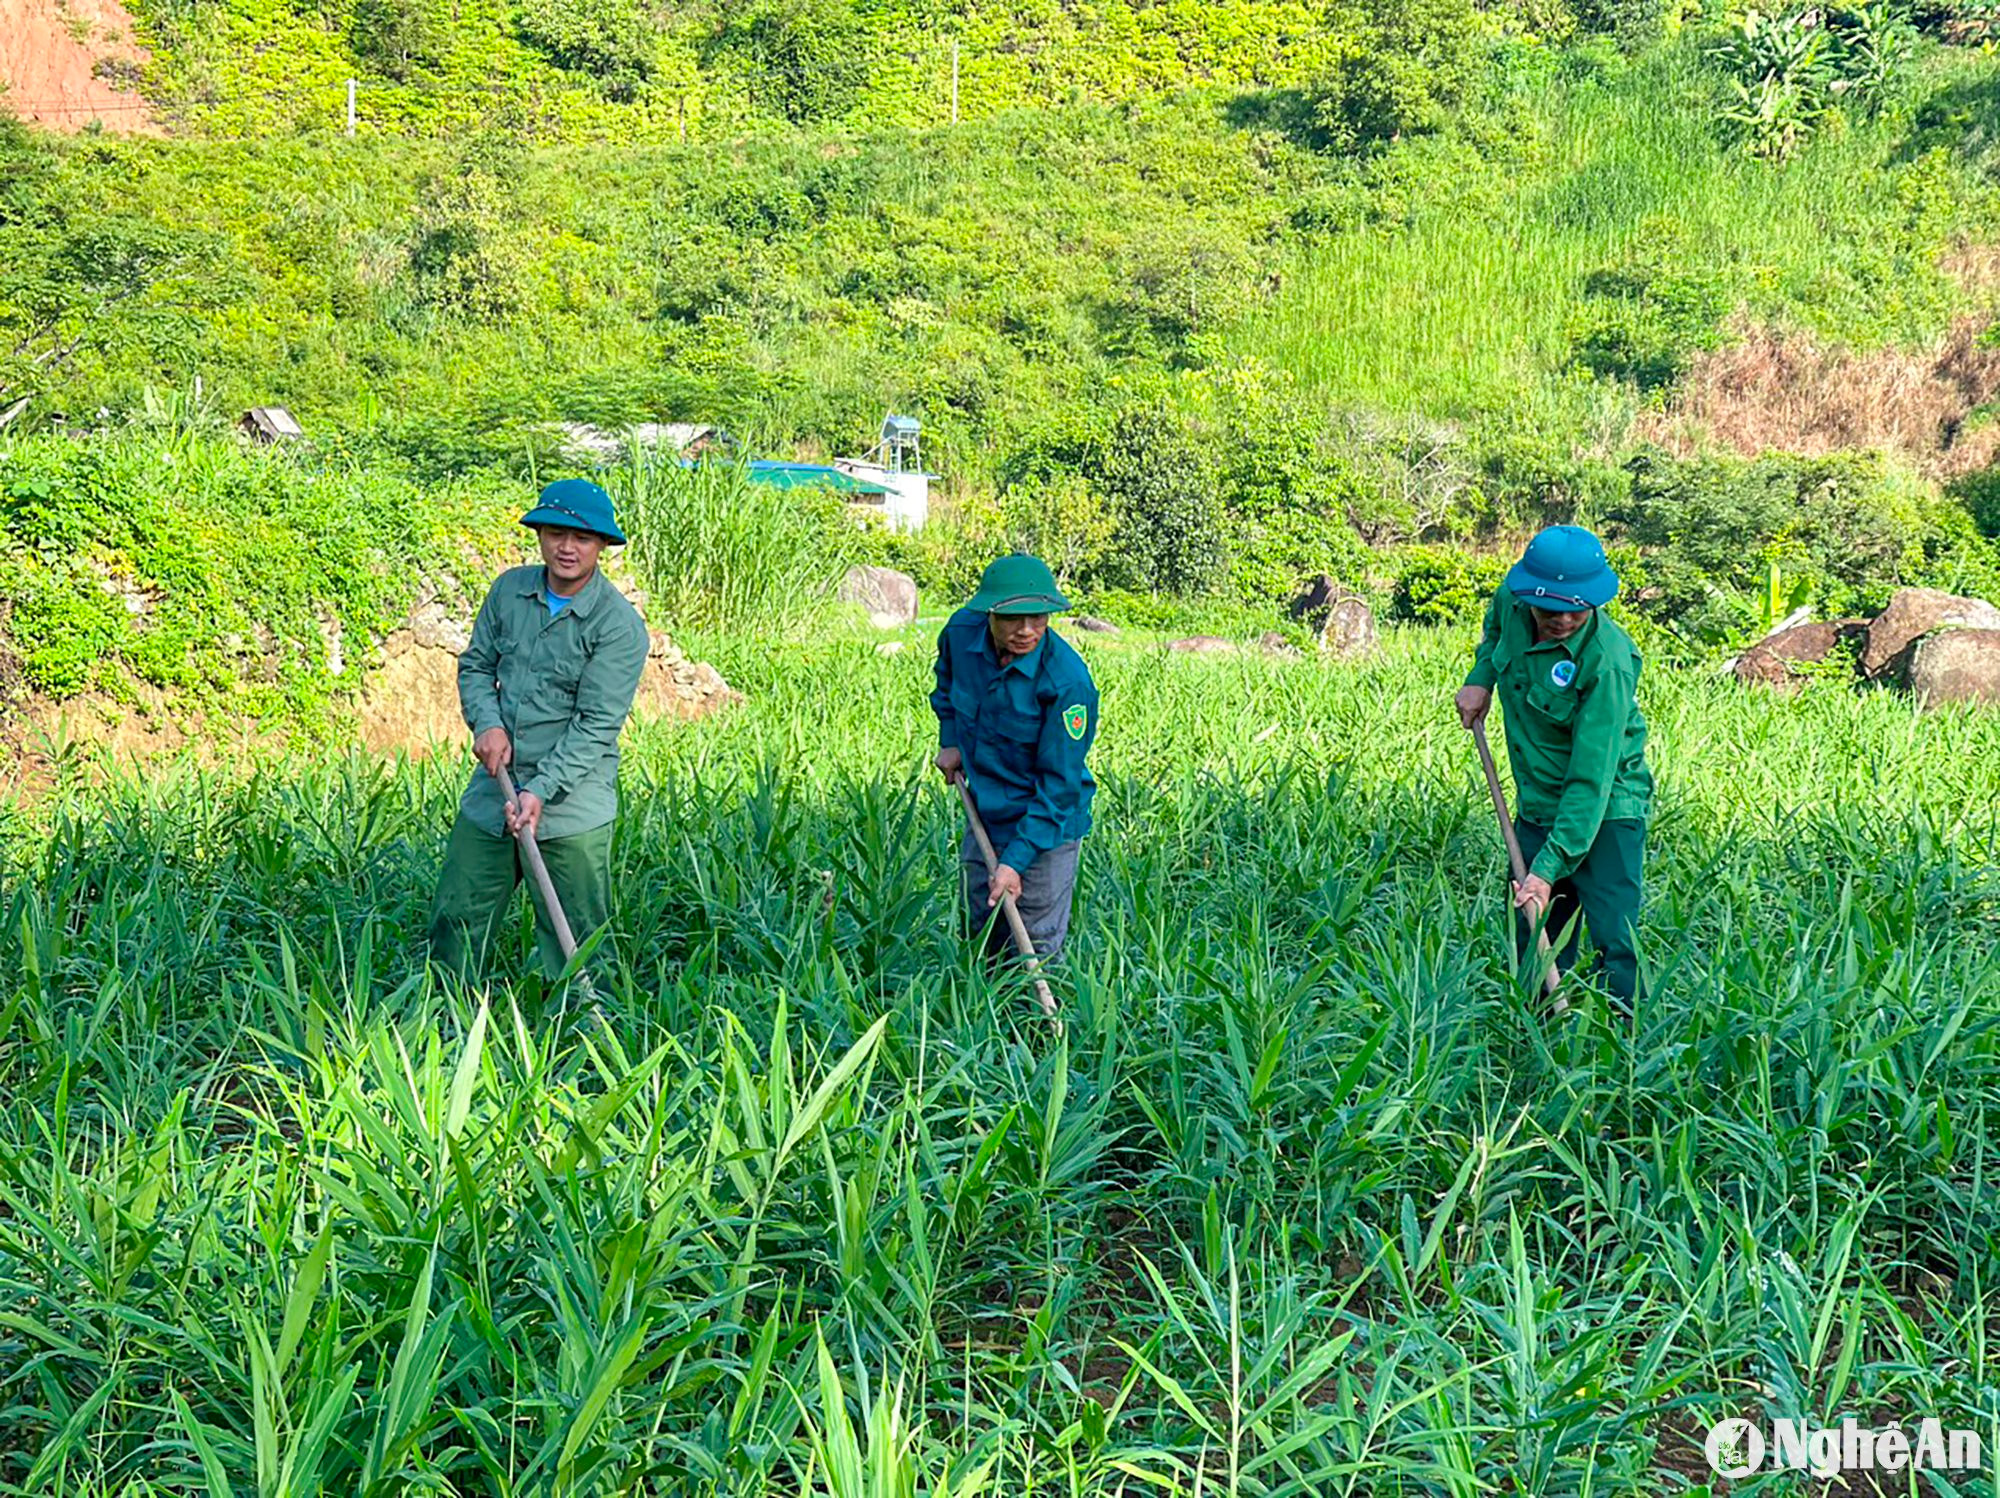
[1557, 704]
[559, 662]
[1013, 735]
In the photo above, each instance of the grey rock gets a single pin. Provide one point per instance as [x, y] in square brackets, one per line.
[1960, 665]
[889, 596]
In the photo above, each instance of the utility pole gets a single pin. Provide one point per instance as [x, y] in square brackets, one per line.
[350, 109]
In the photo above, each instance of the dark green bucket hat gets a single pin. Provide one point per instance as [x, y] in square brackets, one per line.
[1019, 584]
[577, 505]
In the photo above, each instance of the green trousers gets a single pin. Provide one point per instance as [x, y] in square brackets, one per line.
[1607, 885]
[476, 887]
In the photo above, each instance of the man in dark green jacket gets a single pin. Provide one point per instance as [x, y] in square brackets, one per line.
[1567, 677]
[1017, 714]
[545, 684]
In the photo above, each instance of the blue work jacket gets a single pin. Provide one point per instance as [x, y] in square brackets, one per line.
[1023, 731]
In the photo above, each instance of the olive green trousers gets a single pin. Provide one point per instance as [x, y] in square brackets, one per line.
[476, 890]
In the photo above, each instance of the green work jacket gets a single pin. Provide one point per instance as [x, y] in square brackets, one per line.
[1575, 736]
[561, 686]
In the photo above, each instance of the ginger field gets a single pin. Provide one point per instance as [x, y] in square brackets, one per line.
[1306, 1197]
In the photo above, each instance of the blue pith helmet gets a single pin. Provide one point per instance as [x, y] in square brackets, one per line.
[1563, 570]
[578, 505]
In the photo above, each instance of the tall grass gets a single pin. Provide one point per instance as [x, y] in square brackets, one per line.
[1306, 1199]
[714, 547]
[1468, 298]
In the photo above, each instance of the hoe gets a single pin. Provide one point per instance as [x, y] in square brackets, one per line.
[1550, 980]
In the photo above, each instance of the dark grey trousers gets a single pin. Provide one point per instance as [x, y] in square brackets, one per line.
[1048, 886]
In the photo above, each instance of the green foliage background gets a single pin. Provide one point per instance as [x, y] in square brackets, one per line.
[1203, 300]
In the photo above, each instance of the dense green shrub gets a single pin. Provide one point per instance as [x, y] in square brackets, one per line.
[1271, 556]
[615, 41]
[1287, 484]
[1850, 527]
[1444, 585]
[467, 258]
[1647, 319]
[1064, 521]
[804, 59]
[1414, 60]
[1980, 494]
[962, 535]
[1162, 482]
[1633, 24]
[399, 37]
[195, 563]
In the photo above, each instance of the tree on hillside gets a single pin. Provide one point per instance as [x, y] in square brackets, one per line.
[615, 41]
[1415, 60]
[399, 37]
[805, 59]
[466, 257]
[1162, 486]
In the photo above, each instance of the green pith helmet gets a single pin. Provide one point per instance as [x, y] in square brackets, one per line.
[1019, 584]
[577, 505]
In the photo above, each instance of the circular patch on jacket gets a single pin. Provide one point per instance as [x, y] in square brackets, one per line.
[1562, 673]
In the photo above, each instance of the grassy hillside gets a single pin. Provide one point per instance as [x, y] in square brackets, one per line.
[1562, 246]
[635, 73]
[1615, 231]
[1428, 285]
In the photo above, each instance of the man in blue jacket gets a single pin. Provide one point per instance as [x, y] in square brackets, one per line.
[1017, 713]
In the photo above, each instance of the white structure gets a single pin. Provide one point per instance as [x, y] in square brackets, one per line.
[896, 463]
[583, 443]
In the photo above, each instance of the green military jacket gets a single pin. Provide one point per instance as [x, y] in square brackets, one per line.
[1575, 735]
[561, 686]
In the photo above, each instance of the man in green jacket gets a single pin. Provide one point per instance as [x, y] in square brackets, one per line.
[545, 684]
[1567, 676]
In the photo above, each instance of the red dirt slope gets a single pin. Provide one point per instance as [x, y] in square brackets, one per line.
[64, 63]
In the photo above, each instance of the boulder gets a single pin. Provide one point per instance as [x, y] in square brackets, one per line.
[1093, 625]
[1204, 645]
[432, 627]
[1771, 660]
[1343, 623]
[1913, 613]
[1273, 643]
[1960, 665]
[889, 596]
[1349, 629]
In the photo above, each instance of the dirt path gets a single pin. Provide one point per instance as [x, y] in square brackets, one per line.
[64, 63]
